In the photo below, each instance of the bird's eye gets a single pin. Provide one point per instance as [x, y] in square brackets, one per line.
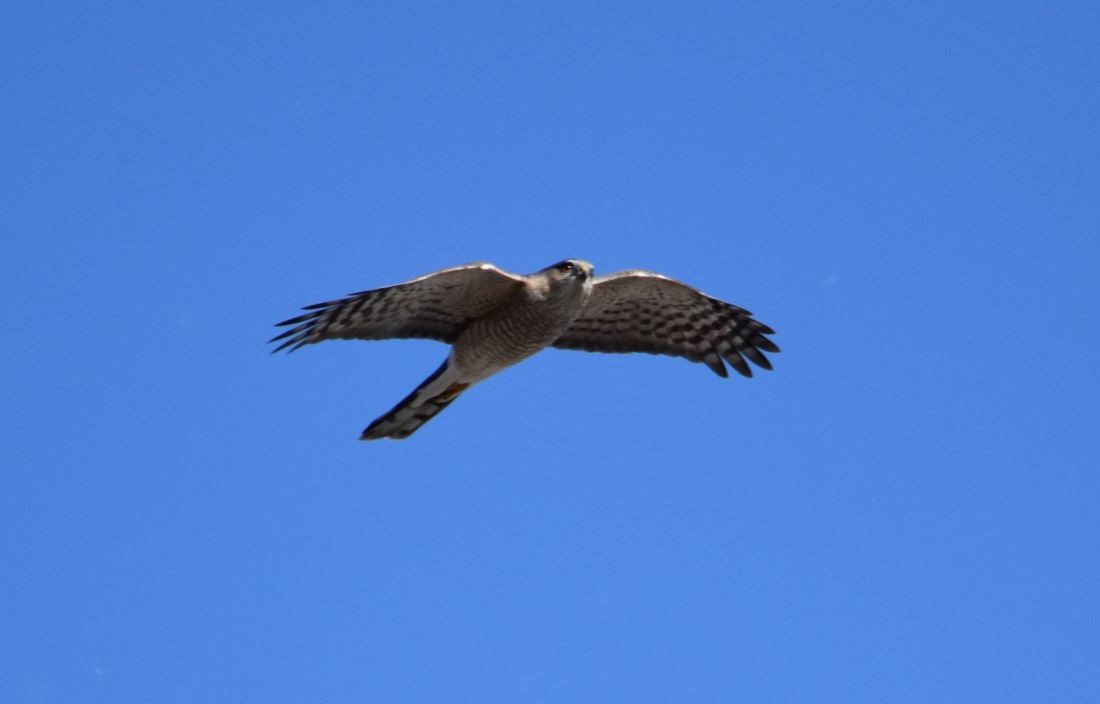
[565, 266]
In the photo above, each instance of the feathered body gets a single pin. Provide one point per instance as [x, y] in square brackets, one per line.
[528, 319]
[494, 319]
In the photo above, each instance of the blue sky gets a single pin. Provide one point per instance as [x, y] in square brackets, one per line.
[905, 510]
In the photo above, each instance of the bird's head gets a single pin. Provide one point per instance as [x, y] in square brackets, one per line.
[568, 280]
[569, 270]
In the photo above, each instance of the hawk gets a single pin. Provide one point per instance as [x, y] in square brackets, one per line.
[493, 319]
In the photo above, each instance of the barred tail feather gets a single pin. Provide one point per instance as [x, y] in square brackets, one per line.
[432, 396]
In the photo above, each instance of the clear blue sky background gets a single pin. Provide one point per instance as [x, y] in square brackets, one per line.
[906, 510]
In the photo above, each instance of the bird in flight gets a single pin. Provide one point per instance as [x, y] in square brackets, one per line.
[493, 319]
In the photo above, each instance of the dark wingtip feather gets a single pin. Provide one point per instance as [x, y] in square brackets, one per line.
[291, 321]
[285, 333]
[302, 318]
[294, 343]
[294, 337]
[304, 327]
[279, 348]
[764, 343]
[756, 357]
[737, 362]
[714, 362]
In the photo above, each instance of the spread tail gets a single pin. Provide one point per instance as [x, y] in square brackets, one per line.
[416, 409]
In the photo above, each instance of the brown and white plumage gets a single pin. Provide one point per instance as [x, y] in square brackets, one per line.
[494, 319]
[639, 311]
[436, 306]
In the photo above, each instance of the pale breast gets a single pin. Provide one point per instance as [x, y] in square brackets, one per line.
[512, 333]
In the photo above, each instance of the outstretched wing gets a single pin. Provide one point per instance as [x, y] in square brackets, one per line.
[436, 306]
[639, 311]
